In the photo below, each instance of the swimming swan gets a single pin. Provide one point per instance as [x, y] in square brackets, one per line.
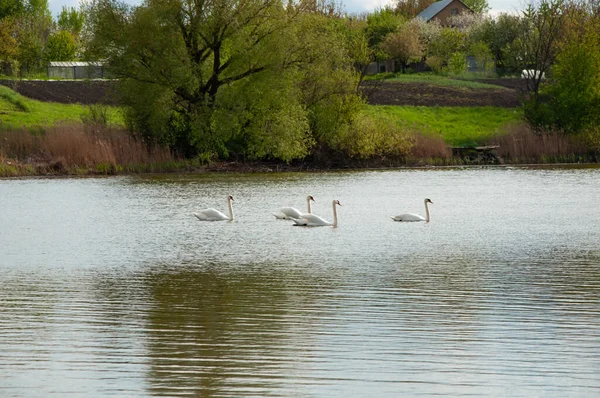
[310, 220]
[216, 215]
[414, 217]
[289, 213]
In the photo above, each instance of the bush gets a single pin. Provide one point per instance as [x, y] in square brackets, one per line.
[457, 63]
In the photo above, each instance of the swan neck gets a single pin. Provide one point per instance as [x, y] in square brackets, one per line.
[335, 220]
[230, 207]
[308, 205]
[426, 212]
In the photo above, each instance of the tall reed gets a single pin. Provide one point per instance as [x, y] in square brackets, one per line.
[80, 148]
[520, 144]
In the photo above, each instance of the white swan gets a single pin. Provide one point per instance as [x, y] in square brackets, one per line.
[289, 213]
[310, 220]
[215, 215]
[409, 217]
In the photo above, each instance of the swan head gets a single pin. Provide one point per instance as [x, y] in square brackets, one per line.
[310, 197]
[230, 197]
[337, 202]
[428, 201]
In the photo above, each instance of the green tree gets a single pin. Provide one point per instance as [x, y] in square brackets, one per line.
[71, 20]
[8, 41]
[411, 8]
[448, 42]
[575, 91]
[403, 45]
[224, 78]
[379, 24]
[60, 46]
[11, 8]
[499, 34]
[357, 43]
[535, 48]
[478, 6]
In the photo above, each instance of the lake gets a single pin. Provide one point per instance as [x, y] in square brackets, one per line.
[112, 288]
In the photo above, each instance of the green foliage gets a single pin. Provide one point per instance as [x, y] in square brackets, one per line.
[11, 8]
[374, 135]
[403, 45]
[60, 46]
[411, 8]
[8, 41]
[71, 20]
[499, 34]
[435, 63]
[479, 6]
[457, 64]
[249, 80]
[357, 45]
[443, 47]
[573, 98]
[483, 56]
[379, 24]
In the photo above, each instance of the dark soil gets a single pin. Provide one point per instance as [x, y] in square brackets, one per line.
[377, 92]
[422, 94]
[86, 92]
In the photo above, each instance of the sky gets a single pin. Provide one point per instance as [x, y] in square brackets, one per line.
[351, 6]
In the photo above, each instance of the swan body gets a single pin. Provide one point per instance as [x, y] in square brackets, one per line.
[311, 220]
[290, 213]
[410, 217]
[215, 215]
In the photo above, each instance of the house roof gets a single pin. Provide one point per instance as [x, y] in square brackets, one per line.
[435, 8]
[74, 63]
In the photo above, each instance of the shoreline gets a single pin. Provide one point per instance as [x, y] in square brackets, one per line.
[258, 167]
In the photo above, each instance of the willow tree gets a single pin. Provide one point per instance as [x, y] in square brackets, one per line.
[206, 76]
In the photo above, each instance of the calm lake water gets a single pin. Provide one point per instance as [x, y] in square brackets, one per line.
[110, 287]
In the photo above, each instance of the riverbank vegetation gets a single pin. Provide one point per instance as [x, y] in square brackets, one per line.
[283, 82]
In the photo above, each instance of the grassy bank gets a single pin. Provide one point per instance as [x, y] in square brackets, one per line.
[17, 112]
[438, 80]
[456, 126]
[38, 138]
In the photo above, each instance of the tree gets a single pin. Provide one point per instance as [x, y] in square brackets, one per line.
[575, 90]
[404, 45]
[448, 42]
[224, 78]
[536, 46]
[60, 46]
[71, 20]
[499, 34]
[357, 44]
[11, 8]
[478, 6]
[379, 24]
[8, 41]
[411, 8]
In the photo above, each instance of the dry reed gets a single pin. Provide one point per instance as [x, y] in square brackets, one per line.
[69, 147]
[430, 147]
[520, 144]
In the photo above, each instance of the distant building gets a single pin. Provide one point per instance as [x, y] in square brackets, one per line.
[442, 10]
[438, 11]
[76, 70]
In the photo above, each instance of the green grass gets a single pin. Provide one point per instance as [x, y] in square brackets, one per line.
[17, 111]
[430, 78]
[458, 126]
